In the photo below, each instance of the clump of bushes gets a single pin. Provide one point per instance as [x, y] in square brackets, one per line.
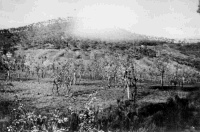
[176, 114]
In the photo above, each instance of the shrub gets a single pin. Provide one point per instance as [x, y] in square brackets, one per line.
[175, 114]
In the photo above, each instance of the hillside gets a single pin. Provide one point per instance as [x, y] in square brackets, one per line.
[59, 31]
[92, 74]
[45, 37]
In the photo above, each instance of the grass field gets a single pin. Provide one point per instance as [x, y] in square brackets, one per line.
[39, 94]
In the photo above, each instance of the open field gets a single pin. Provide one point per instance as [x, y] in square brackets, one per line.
[39, 96]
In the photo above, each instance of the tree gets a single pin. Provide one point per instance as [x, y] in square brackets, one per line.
[130, 78]
[8, 41]
[27, 38]
[84, 45]
[161, 64]
[176, 76]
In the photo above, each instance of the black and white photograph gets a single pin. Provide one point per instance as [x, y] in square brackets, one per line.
[99, 65]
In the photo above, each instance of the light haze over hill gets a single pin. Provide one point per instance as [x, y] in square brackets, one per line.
[160, 18]
[110, 34]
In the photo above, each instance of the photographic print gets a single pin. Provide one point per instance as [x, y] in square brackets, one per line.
[99, 65]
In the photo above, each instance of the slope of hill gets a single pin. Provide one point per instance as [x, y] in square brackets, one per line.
[60, 34]
[109, 34]
[52, 45]
[58, 31]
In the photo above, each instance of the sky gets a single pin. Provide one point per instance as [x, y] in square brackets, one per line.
[161, 18]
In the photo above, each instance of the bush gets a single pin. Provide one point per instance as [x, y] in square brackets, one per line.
[175, 114]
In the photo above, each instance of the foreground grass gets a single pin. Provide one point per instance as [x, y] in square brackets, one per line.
[37, 102]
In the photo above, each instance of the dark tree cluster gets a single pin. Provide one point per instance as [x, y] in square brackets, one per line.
[176, 114]
[7, 41]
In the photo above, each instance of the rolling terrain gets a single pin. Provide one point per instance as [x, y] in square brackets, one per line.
[53, 43]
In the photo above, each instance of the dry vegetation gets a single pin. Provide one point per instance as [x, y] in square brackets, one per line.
[91, 80]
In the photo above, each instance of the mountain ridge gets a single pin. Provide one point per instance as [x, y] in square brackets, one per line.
[127, 35]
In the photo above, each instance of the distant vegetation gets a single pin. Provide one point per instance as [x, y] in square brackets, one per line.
[51, 51]
[58, 33]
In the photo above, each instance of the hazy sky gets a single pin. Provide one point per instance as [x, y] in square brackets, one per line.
[163, 18]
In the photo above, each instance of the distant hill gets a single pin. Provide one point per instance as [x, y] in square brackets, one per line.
[45, 39]
[64, 27]
[61, 33]
[112, 34]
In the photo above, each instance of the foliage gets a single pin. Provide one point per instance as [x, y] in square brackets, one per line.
[175, 114]
[8, 41]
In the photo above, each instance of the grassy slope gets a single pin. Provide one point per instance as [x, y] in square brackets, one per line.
[175, 55]
[186, 55]
[144, 63]
[40, 96]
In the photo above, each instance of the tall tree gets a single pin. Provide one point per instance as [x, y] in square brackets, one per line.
[161, 64]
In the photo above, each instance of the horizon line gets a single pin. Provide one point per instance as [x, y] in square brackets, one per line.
[75, 17]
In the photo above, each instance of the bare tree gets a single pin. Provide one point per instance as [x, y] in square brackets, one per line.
[37, 68]
[57, 82]
[9, 64]
[161, 64]
[131, 79]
